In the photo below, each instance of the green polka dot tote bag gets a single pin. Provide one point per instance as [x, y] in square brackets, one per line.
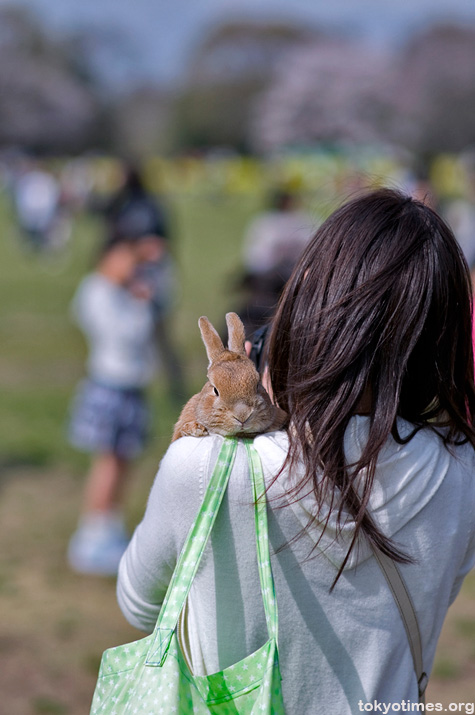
[151, 675]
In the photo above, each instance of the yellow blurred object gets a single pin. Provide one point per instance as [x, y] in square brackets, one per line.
[448, 176]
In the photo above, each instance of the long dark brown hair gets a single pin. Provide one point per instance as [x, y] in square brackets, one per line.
[376, 318]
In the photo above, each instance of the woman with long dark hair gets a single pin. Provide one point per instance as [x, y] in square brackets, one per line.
[376, 320]
[370, 354]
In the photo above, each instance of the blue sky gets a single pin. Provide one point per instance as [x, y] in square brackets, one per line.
[158, 35]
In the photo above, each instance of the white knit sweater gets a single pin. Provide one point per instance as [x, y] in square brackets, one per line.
[336, 649]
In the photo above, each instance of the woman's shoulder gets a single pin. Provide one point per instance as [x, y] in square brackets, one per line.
[196, 448]
[186, 463]
[272, 448]
[188, 452]
[193, 458]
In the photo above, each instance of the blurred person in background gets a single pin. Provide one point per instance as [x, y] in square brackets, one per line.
[134, 212]
[272, 245]
[460, 212]
[77, 182]
[110, 415]
[38, 206]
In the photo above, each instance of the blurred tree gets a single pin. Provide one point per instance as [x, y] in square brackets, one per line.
[435, 91]
[330, 91]
[227, 71]
[141, 122]
[46, 100]
[420, 97]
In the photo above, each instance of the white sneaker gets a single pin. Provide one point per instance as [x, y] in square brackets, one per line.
[98, 544]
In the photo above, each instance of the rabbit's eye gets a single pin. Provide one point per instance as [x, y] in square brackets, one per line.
[216, 392]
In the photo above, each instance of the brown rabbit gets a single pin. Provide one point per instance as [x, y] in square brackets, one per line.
[233, 402]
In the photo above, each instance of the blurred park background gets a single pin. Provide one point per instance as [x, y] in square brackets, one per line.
[222, 104]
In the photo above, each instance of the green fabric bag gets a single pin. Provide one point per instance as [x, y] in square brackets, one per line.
[151, 676]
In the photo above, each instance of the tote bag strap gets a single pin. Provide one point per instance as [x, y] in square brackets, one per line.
[197, 539]
[262, 540]
[408, 614]
[191, 554]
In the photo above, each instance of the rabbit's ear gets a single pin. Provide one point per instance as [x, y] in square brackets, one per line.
[236, 332]
[213, 343]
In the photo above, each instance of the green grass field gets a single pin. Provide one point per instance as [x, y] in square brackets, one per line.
[55, 624]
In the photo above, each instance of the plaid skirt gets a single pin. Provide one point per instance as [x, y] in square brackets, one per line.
[109, 419]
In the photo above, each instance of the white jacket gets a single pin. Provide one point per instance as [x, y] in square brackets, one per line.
[336, 649]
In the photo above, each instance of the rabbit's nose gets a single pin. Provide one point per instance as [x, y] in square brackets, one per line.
[242, 412]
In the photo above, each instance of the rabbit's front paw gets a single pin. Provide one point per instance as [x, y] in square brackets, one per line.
[193, 429]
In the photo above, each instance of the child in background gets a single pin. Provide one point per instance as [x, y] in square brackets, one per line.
[110, 414]
[136, 212]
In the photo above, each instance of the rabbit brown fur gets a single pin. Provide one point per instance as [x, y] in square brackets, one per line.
[233, 402]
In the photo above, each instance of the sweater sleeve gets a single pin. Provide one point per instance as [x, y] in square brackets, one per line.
[148, 563]
[91, 307]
